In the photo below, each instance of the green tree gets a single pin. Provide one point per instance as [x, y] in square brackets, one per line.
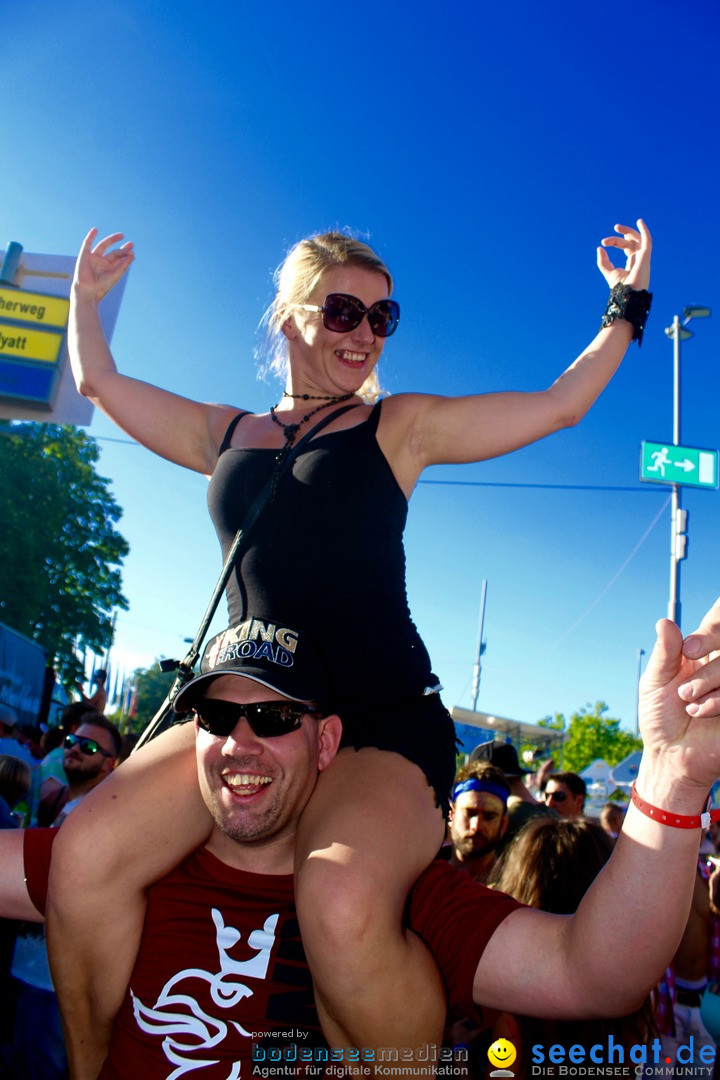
[59, 551]
[591, 734]
[151, 689]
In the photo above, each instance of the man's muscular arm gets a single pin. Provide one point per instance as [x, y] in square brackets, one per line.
[539, 964]
[547, 965]
[16, 897]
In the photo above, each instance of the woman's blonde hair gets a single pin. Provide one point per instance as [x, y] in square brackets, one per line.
[295, 280]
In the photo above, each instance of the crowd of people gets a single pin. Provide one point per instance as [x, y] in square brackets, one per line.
[555, 856]
[43, 777]
[248, 881]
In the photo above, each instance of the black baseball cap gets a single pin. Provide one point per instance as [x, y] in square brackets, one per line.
[502, 755]
[266, 651]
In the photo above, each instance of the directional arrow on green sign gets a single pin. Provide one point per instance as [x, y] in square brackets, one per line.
[663, 463]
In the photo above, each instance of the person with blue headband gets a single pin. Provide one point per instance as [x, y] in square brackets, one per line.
[478, 818]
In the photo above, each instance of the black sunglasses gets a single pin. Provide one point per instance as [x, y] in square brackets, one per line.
[87, 746]
[343, 313]
[266, 718]
[555, 796]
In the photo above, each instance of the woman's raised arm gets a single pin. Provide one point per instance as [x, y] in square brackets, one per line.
[441, 430]
[184, 431]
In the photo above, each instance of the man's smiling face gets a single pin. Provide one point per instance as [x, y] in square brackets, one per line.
[256, 788]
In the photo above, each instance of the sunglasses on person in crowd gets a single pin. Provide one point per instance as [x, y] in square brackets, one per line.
[555, 796]
[343, 313]
[87, 746]
[266, 718]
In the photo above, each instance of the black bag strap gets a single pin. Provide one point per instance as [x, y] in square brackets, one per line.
[256, 508]
[185, 667]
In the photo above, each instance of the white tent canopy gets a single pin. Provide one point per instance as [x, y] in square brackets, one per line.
[625, 772]
[598, 772]
[518, 730]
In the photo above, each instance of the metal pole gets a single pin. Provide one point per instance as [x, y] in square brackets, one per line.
[478, 662]
[674, 601]
[676, 379]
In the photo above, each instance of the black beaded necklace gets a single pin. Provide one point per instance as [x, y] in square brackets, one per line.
[310, 397]
[290, 430]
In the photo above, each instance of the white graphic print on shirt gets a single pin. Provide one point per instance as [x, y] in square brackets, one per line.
[185, 1027]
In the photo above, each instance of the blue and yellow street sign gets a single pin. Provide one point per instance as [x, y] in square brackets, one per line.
[32, 333]
[37, 309]
[21, 344]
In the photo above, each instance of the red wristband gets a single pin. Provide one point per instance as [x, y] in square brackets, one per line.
[677, 821]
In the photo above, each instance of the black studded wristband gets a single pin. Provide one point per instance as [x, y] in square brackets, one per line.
[632, 305]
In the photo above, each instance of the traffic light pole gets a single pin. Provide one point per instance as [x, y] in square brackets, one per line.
[674, 606]
[677, 539]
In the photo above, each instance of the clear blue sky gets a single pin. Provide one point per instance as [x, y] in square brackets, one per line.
[485, 149]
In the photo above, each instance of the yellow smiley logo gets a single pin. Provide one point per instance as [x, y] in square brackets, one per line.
[502, 1053]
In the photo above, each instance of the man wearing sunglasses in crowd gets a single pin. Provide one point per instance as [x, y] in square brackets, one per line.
[89, 755]
[565, 792]
[220, 958]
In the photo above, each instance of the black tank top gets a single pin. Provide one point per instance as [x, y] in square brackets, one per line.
[326, 556]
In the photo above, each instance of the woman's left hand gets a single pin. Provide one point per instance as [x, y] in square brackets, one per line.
[637, 245]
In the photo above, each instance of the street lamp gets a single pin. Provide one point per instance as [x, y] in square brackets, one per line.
[678, 332]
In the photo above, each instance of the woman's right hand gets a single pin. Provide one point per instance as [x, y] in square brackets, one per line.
[177, 428]
[98, 269]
